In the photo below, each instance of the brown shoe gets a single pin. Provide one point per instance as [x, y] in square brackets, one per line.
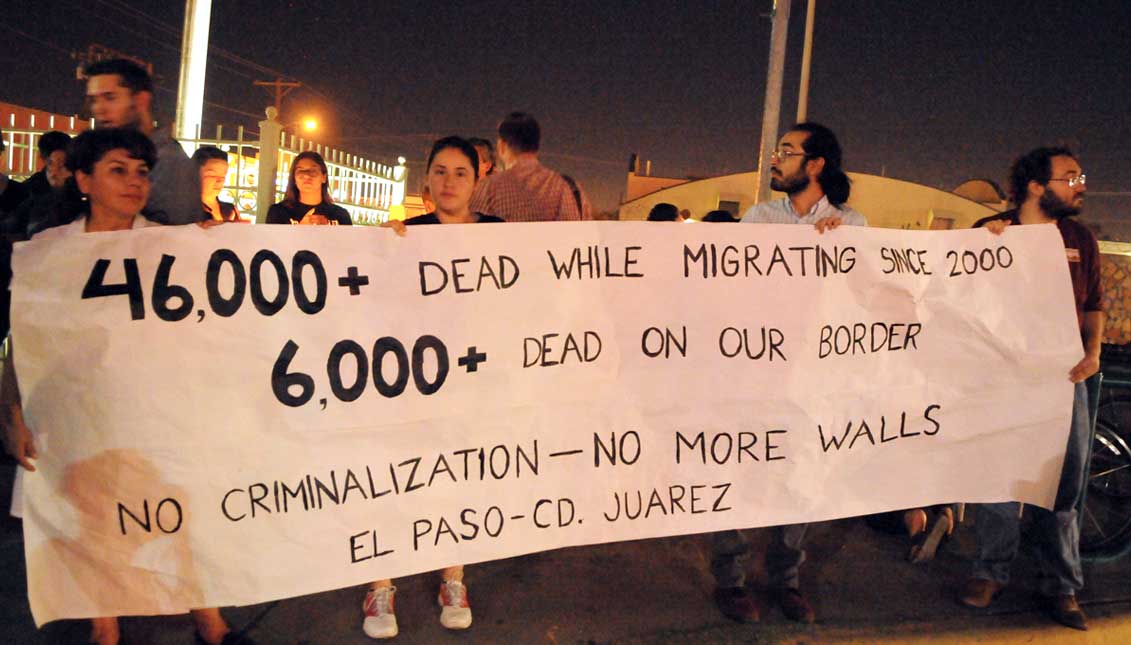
[979, 592]
[737, 604]
[1065, 610]
[795, 607]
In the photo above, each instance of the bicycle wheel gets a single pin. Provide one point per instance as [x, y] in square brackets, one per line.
[1106, 526]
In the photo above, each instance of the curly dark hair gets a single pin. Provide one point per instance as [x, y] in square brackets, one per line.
[1035, 165]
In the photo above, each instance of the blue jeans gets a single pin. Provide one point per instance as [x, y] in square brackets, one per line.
[1056, 532]
[730, 550]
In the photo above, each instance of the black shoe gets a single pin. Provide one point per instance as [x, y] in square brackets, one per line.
[795, 607]
[737, 604]
[1065, 610]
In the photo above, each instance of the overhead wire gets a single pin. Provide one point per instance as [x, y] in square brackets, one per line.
[127, 9]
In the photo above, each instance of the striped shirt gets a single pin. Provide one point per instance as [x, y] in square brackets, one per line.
[780, 211]
[528, 192]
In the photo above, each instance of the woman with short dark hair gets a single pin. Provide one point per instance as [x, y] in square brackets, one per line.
[111, 167]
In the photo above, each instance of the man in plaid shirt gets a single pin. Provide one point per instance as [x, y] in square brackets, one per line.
[527, 191]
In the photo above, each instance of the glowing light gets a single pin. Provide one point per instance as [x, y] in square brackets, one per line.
[194, 57]
[310, 124]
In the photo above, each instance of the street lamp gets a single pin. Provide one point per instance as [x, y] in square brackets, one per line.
[307, 124]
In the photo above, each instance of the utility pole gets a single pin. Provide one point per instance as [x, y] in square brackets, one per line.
[194, 60]
[282, 88]
[806, 62]
[771, 112]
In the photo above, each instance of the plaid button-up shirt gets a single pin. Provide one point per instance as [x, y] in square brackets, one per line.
[528, 192]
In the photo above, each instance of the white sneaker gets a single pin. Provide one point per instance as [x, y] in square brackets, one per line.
[455, 612]
[380, 621]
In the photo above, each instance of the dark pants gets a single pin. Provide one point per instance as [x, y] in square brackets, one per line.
[730, 550]
[1056, 532]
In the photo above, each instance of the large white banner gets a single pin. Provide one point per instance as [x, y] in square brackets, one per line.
[241, 414]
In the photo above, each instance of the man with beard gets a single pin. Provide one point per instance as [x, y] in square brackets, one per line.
[806, 167]
[1047, 186]
[119, 94]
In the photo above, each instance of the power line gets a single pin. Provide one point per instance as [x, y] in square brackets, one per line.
[138, 14]
[41, 42]
[68, 53]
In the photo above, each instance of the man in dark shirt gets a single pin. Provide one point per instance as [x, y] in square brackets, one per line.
[46, 188]
[53, 155]
[1048, 186]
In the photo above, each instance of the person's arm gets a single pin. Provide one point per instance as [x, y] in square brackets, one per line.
[1092, 326]
[1092, 331]
[18, 441]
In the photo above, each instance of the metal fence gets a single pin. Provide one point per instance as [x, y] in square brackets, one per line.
[21, 135]
[366, 188]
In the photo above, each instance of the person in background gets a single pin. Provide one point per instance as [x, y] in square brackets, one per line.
[525, 191]
[307, 200]
[111, 168]
[119, 94]
[451, 174]
[486, 156]
[213, 165]
[53, 172]
[719, 216]
[664, 212]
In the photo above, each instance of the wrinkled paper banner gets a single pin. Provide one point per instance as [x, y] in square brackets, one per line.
[537, 386]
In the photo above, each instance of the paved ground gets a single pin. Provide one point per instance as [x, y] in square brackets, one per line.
[655, 591]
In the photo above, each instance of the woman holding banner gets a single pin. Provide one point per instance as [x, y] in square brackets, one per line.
[111, 168]
[451, 173]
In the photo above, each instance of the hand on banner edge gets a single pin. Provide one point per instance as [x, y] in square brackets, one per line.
[997, 227]
[397, 225]
[1087, 366]
[18, 441]
[828, 223]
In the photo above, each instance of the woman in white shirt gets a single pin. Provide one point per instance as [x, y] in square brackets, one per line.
[111, 168]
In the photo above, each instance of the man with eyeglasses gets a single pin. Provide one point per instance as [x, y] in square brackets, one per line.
[806, 167]
[1048, 186]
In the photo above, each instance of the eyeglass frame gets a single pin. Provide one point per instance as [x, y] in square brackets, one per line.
[1081, 179]
[779, 156]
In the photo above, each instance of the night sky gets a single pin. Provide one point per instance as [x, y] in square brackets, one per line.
[932, 92]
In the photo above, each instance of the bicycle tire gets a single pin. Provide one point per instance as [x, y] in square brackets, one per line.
[1106, 522]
